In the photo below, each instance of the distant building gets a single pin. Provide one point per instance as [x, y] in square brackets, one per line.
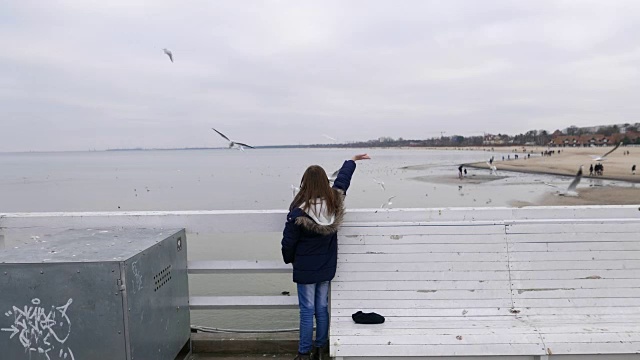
[490, 139]
[591, 139]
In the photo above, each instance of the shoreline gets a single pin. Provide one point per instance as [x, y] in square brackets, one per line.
[558, 172]
[617, 165]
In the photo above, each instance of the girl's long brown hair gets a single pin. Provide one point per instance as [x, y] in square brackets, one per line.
[315, 184]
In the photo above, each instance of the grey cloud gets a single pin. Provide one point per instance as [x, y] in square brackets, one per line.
[77, 74]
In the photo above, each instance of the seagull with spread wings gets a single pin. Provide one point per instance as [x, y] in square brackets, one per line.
[572, 187]
[379, 182]
[232, 144]
[603, 157]
[388, 203]
[169, 54]
[571, 190]
[333, 177]
[493, 169]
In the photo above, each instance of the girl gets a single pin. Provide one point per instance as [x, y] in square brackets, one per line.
[310, 242]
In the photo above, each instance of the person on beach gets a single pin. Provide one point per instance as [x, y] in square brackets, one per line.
[591, 170]
[460, 172]
[310, 243]
[633, 169]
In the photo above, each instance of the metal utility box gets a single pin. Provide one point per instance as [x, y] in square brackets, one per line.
[96, 294]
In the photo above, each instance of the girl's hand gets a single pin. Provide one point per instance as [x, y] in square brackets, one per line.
[361, 157]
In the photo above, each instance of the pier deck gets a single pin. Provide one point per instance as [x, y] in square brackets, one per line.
[542, 271]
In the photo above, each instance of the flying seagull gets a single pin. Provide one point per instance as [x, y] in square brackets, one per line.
[572, 187]
[330, 138]
[169, 54]
[294, 190]
[603, 157]
[388, 203]
[571, 190]
[493, 168]
[379, 182]
[239, 145]
[333, 176]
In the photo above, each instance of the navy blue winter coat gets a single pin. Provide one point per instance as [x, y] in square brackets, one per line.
[311, 247]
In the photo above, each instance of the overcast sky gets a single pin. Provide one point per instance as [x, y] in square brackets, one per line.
[91, 74]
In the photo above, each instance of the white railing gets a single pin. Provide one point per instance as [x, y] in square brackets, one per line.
[15, 226]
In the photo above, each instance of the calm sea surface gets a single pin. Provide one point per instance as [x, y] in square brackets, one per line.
[257, 179]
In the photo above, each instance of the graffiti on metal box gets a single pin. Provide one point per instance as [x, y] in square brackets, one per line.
[41, 331]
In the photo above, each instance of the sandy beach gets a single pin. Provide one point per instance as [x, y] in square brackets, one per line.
[617, 166]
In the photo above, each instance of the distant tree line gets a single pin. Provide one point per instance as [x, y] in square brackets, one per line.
[532, 137]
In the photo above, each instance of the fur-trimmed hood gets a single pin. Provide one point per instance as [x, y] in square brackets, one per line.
[311, 221]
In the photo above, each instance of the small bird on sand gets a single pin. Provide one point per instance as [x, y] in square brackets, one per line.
[169, 54]
[238, 145]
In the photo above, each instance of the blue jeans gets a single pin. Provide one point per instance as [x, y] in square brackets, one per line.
[313, 299]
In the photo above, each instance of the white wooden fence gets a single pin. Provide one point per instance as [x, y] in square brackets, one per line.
[541, 221]
[27, 225]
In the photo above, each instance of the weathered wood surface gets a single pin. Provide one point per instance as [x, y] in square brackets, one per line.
[452, 282]
[564, 285]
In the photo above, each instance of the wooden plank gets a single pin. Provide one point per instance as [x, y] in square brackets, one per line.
[406, 258]
[581, 319]
[576, 265]
[423, 248]
[574, 246]
[483, 324]
[575, 255]
[573, 237]
[420, 285]
[576, 293]
[574, 274]
[503, 337]
[564, 303]
[242, 302]
[238, 267]
[410, 295]
[590, 328]
[439, 350]
[574, 284]
[484, 329]
[413, 313]
[421, 239]
[575, 212]
[631, 310]
[348, 267]
[226, 221]
[403, 229]
[495, 213]
[630, 335]
[624, 347]
[433, 303]
[474, 312]
[576, 227]
[490, 357]
[422, 275]
[428, 333]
